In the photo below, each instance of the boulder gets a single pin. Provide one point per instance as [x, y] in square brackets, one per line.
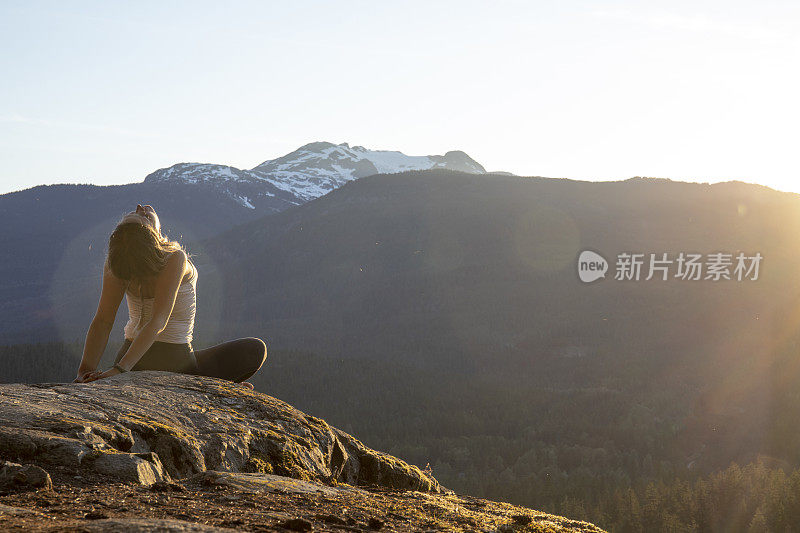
[142, 468]
[17, 477]
[149, 427]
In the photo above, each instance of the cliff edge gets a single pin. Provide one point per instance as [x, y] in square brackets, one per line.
[156, 451]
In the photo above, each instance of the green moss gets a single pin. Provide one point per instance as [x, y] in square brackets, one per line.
[151, 427]
[286, 462]
[258, 465]
[275, 436]
[384, 469]
[318, 421]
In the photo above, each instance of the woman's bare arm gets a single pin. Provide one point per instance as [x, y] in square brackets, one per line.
[97, 336]
[166, 291]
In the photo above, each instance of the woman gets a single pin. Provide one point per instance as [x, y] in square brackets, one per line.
[159, 280]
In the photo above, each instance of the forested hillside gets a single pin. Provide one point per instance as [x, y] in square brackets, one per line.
[593, 455]
[439, 315]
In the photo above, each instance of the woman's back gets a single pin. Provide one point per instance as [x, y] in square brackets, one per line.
[181, 321]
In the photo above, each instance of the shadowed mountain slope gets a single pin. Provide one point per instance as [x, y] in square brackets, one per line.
[476, 276]
[403, 264]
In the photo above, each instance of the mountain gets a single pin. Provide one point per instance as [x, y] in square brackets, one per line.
[55, 236]
[399, 264]
[307, 173]
[441, 314]
[475, 276]
[318, 168]
[246, 188]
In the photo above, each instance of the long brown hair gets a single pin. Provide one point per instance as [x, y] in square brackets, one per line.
[137, 251]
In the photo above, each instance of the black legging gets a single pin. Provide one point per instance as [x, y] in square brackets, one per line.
[235, 360]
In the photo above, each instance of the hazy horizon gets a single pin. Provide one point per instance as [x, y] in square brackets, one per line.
[623, 178]
[106, 93]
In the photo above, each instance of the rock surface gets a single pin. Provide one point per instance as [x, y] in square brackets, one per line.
[151, 525]
[14, 477]
[147, 427]
[116, 449]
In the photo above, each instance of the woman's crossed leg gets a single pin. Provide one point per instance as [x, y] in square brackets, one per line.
[235, 360]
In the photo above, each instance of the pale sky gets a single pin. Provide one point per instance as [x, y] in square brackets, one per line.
[109, 91]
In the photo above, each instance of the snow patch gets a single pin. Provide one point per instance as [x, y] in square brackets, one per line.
[308, 173]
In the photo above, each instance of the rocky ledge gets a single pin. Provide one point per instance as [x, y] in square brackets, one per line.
[156, 451]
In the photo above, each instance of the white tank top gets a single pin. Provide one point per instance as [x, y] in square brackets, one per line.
[181, 321]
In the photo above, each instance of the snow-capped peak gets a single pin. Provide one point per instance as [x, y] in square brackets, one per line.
[309, 172]
[200, 173]
[318, 168]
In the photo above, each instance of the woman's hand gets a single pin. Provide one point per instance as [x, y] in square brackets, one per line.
[101, 375]
[85, 375]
